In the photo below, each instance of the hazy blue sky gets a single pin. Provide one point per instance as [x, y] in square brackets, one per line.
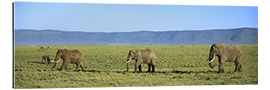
[126, 17]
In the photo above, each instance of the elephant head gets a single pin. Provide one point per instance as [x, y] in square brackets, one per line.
[59, 55]
[131, 56]
[215, 50]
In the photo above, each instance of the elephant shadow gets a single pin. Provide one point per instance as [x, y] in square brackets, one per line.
[175, 71]
[37, 62]
[164, 72]
[100, 71]
[106, 71]
[88, 71]
[196, 72]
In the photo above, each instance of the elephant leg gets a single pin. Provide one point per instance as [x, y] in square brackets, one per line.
[153, 68]
[238, 62]
[221, 69]
[221, 61]
[140, 68]
[240, 68]
[48, 61]
[45, 61]
[77, 66]
[66, 67]
[149, 66]
[63, 65]
[136, 66]
[236, 68]
[54, 65]
[82, 66]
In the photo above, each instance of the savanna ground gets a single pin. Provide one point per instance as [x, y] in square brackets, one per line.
[176, 65]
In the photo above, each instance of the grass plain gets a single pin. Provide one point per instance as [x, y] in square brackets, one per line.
[176, 65]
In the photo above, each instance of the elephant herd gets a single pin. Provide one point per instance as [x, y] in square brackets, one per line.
[228, 53]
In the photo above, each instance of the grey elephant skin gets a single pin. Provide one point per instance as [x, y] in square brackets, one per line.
[69, 56]
[142, 56]
[228, 53]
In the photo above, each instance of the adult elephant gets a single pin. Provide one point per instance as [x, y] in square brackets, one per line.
[69, 56]
[142, 56]
[229, 53]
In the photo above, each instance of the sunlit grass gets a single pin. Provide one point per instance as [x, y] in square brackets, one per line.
[175, 65]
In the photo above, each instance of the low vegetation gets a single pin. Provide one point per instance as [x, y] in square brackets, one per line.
[176, 65]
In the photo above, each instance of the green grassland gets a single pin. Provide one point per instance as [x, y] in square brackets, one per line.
[176, 65]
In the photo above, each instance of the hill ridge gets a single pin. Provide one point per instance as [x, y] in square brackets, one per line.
[183, 37]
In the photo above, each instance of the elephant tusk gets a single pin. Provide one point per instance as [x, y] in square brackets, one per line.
[128, 61]
[212, 60]
[55, 61]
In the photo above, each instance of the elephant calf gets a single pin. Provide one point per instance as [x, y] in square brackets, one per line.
[229, 53]
[142, 56]
[47, 59]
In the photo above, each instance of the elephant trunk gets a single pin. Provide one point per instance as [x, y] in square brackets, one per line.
[128, 60]
[211, 58]
[211, 66]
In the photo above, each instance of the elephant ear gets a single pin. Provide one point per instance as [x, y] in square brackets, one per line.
[59, 50]
[131, 52]
[219, 48]
[65, 51]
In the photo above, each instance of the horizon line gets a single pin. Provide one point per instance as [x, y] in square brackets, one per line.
[137, 31]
